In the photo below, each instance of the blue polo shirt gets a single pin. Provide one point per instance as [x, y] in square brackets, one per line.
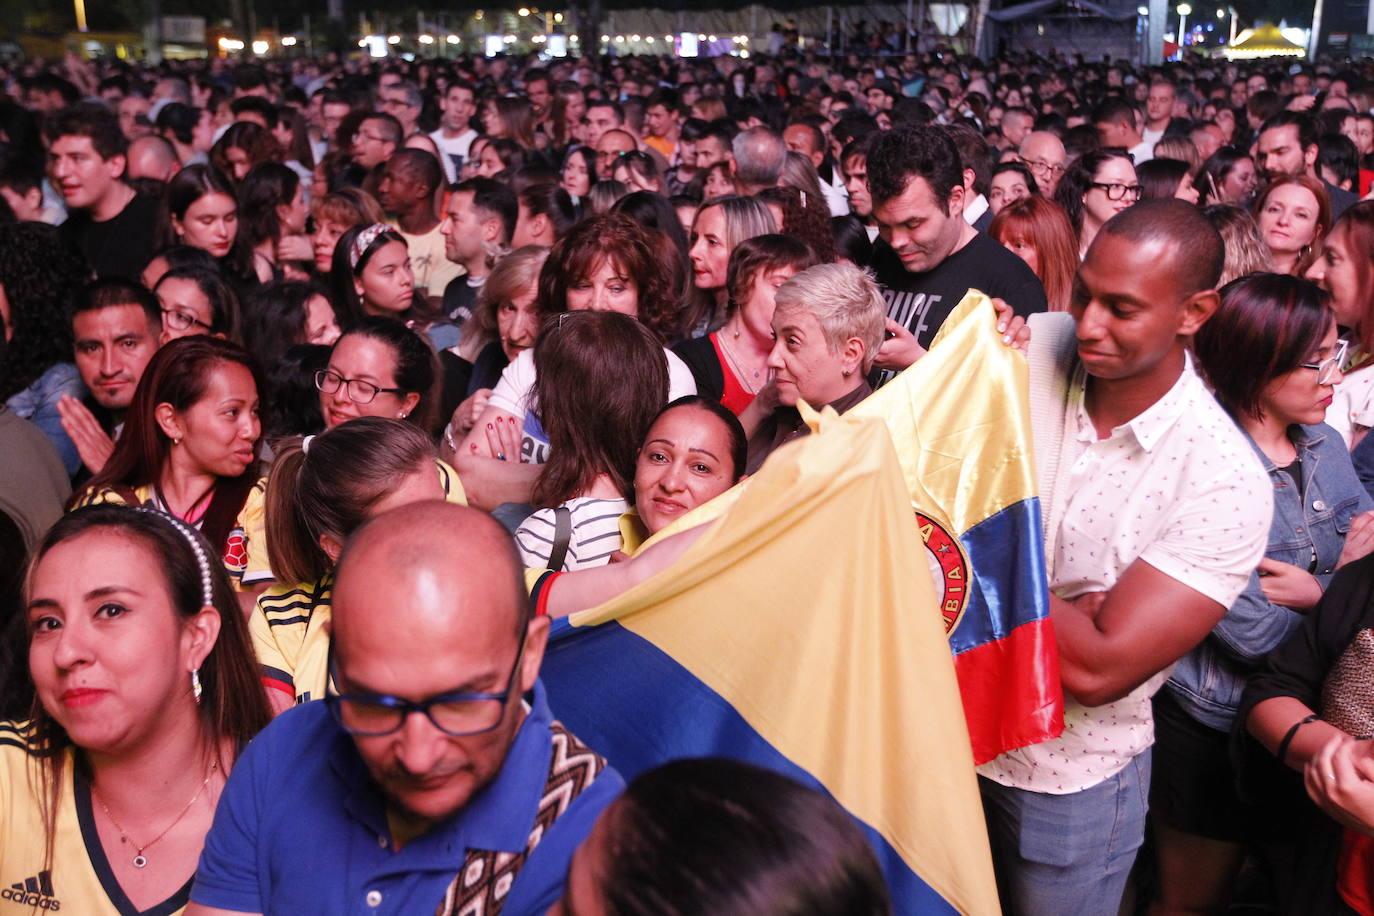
[301, 827]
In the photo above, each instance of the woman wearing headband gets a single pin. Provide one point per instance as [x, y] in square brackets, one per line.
[321, 490]
[146, 694]
[372, 276]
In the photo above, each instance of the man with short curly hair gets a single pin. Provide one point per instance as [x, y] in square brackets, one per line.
[928, 257]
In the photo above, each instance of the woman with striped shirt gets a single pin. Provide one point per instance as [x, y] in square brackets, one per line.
[594, 431]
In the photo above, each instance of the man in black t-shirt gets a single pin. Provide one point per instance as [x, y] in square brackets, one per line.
[927, 257]
[108, 222]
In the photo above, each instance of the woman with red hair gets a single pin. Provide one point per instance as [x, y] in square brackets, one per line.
[1036, 230]
[608, 263]
[1345, 269]
[1294, 214]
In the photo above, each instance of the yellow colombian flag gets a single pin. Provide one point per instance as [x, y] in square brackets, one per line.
[800, 632]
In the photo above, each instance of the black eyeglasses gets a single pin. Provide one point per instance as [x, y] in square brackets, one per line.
[181, 321]
[459, 713]
[359, 391]
[1115, 191]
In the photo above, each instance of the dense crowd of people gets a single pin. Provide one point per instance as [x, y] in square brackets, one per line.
[326, 384]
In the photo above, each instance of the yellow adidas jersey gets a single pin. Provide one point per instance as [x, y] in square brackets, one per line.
[79, 879]
[289, 626]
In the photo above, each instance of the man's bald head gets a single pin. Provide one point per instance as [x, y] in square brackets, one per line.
[462, 552]
[429, 602]
[152, 157]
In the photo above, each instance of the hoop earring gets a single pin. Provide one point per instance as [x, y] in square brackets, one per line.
[195, 685]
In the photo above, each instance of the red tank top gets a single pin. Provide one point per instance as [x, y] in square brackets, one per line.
[734, 397]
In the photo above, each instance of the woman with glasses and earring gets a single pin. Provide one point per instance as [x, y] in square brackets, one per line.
[190, 445]
[1293, 214]
[1098, 186]
[1272, 358]
[380, 368]
[146, 693]
[321, 490]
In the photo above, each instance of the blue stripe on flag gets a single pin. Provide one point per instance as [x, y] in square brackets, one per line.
[634, 704]
[1009, 594]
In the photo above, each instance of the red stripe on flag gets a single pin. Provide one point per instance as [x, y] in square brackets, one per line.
[1011, 692]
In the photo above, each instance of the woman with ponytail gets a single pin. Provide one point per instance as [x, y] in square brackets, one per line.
[322, 488]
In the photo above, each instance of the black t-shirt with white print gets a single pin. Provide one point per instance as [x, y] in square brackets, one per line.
[922, 301]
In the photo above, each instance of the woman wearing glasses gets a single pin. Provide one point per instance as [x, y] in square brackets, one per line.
[321, 490]
[1293, 215]
[196, 300]
[1272, 357]
[380, 368]
[1098, 186]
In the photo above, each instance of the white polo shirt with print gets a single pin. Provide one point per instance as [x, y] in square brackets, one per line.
[1178, 487]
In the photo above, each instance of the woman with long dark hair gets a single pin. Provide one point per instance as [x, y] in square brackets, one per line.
[200, 208]
[144, 677]
[272, 216]
[190, 443]
[1096, 187]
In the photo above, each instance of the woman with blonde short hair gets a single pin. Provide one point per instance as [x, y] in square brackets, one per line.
[828, 325]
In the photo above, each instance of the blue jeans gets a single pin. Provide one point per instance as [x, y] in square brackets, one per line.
[1067, 853]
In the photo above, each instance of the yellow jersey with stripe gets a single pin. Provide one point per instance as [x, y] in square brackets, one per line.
[289, 626]
[78, 879]
[248, 527]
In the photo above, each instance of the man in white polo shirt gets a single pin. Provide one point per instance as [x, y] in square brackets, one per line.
[1156, 512]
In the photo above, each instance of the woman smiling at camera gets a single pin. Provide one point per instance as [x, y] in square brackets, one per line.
[146, 694]
[380, 368]
[828, 325]
[695, 451]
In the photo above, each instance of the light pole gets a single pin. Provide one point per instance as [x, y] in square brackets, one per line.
[1184, 11]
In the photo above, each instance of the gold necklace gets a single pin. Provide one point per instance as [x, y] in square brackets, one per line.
[140, 860]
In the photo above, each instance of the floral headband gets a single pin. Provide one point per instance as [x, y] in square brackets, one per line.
[364, 241]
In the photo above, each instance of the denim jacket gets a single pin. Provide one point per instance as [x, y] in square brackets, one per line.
[1208, 681]
[38, 404]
